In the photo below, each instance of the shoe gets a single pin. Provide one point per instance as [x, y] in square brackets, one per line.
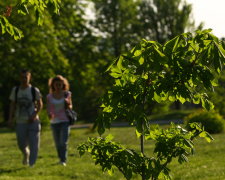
[63, 163]
[26, 157]
[31, 165]
[25, 160]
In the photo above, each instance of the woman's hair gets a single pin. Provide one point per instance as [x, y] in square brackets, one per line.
[58, 78]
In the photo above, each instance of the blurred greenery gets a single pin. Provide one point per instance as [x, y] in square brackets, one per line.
[172, 115]
[212, 121]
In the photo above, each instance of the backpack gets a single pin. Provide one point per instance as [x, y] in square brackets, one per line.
[32, 92]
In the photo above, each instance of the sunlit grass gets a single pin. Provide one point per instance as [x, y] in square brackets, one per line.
[207, 163]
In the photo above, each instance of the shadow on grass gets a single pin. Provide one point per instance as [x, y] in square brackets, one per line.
[3, 171]
[6, 130]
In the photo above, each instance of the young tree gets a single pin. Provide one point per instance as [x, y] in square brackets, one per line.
[183, 69]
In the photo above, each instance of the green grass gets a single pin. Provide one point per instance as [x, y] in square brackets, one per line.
[207, 163]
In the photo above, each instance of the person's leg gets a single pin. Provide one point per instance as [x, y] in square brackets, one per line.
[64, 135]
[22, 141]
[34, 141]
[56, 137]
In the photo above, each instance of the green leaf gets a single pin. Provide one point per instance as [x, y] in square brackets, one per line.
[138, 133]
[207, 136]
[109, 137]
[157, 98]
[23, 9]
[208, 105]
[137, 53]
[120, 62]
[110, 171]
[171, 45]
[181, 99]
[217, 61]
[141, 60]
[172, 98]
[220, 49]
[160, 56]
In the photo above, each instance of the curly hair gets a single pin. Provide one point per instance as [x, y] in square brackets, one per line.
[58, 78]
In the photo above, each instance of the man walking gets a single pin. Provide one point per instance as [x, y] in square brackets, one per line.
[26, 103]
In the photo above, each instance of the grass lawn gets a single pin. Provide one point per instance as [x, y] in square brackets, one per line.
[208, 163]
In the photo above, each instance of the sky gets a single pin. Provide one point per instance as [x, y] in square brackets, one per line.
[212, 13]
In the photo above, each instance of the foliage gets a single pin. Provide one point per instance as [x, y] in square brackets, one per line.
[182, 69]
[162, 20]
[217, 97]
[24, 7]
[7, 27]
[211, 121]
[171, 143]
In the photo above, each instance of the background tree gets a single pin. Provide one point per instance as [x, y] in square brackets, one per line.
[162, 20]
[116, 20]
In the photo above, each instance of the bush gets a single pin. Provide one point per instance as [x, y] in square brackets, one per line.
[212, 121]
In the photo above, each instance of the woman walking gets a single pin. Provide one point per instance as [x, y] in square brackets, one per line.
[58, 99]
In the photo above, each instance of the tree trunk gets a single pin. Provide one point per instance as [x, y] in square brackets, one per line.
[177, 105]
[142, 150]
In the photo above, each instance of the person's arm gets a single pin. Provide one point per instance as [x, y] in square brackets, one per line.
[11, 113]
[38, 108]
[12, 107]
[68, 101]
[49, 109]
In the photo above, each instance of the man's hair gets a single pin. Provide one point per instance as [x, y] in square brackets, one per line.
[25, 71]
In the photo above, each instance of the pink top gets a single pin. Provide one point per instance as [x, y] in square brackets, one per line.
[56, 107]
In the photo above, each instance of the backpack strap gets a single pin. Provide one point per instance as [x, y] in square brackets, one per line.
[16, 92]
[32, 92]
